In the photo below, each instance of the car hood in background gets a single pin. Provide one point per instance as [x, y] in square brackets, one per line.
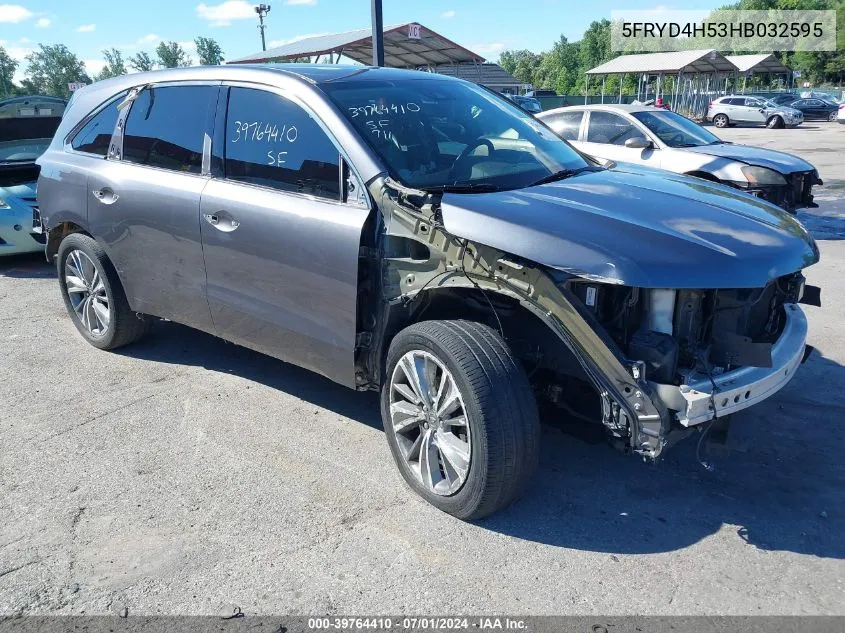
[779, 161]
[638, 229]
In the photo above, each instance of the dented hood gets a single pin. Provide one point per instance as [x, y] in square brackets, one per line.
[772, 159]
[638, 229]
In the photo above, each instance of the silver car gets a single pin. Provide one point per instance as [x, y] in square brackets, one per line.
[418, 235]
[742, 110]
[659, 138]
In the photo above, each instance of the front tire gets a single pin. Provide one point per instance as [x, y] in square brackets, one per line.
[774, 123]
[721, 120]
[93, 295]
[459, 416]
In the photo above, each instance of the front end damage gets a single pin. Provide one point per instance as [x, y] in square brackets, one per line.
[660, 361]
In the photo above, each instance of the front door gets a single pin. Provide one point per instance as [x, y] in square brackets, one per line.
[754, 111]
[281, 246]
[606, 135]
[145, 206]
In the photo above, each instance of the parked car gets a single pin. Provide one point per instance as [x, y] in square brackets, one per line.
[737, 109]
[529, 104]
[816, 109]
[542, 92]
[416, 234]
[666, 140]
[27, 125]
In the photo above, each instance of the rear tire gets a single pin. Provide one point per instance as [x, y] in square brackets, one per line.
[481, 464]
[94, 296]
[775, 123]
[832, 116]
[721, 120]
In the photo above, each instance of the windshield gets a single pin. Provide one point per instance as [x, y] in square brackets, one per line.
[675, 130]
[436, 133]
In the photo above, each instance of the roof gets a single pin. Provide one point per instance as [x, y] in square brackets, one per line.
[761, 63]
[487, 74]
[400, 49]
[698, 61]
[621, 107]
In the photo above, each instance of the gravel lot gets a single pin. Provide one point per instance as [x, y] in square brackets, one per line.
[185, 475]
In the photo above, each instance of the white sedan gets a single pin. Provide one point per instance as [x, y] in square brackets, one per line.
[663, 139]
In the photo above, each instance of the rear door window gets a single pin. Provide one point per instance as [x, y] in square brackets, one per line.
[166, 127]
[273, 142]
[609, 128]
[94, 137]
[566, 124]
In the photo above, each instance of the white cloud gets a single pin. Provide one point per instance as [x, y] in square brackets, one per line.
[488, 48]
[150, 38]
[14, 13]
[43, 23]
[309, 2]
[222, 14]
[86, 28]
[448, 14]
[94, 66]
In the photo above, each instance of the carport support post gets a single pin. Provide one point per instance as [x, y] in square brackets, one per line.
[603, 78]
[586, 87]
[378, 33]
[621, 80]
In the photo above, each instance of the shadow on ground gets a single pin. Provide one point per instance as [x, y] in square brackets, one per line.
[27, 266]
[781, 488]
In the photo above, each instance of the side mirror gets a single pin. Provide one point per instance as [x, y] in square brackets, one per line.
[639, 142]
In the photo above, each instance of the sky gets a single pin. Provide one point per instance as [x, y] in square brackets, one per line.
[486, 27]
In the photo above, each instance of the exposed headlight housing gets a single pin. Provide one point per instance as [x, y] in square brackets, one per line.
[761, 176]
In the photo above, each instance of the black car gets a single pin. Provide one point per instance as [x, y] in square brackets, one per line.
[813, 108]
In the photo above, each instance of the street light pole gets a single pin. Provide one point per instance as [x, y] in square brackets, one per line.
[378, 34]
[262, 10]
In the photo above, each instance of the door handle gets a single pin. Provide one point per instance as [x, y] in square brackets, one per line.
[221, 221]
[105, 195]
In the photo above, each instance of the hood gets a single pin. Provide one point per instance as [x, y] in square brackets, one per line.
[638, 229]
[779, 161]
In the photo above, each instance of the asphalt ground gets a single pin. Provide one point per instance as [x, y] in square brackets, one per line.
[185, 475]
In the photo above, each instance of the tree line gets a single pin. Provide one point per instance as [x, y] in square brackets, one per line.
[51, 68]
[563, 67]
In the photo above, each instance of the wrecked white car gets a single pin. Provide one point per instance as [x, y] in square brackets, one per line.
[415, 234]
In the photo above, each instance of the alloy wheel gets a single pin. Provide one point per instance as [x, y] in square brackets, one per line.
[87, 292]
[430, 422]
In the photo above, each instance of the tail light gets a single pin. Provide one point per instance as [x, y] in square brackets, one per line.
[842, 106]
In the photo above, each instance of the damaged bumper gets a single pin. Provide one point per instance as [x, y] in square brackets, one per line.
[698, 401]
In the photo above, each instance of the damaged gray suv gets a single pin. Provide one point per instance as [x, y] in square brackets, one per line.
[416, 234]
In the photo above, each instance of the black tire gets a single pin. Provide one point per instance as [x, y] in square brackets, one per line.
[499, 407]
[775, 123]
[832, 116]
[721, 120]
[125, 326]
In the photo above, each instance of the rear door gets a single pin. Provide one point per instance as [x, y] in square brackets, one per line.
[281, 245]
[605, 136]
[816, 109]
[144, 200]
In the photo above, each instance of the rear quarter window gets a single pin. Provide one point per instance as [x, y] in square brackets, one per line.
[94, 137]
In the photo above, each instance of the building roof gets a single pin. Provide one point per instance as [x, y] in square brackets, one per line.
[400, 49]
[487, 74]
[698, 61]
[761, 63]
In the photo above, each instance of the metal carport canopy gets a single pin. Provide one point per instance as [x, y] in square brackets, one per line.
[400, 49]
[698, 61]
[761, 63]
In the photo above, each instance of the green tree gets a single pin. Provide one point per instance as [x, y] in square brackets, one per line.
[8, 66]
[521, 64]
[142, 62]
[51, 68]
[114, 64]
[172, 55]
[209, 51]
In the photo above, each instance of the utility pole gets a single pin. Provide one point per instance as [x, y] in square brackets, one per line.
[262, 10]
[378, 34]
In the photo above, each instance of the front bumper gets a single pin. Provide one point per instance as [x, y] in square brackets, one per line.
[20, 230]
[697, 401]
